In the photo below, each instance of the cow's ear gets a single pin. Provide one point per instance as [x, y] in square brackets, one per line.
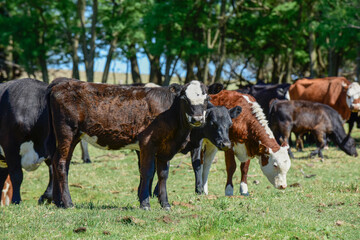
[215, 88]
[175, 88]
[235, 112]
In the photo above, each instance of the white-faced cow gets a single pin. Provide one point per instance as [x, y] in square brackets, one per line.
[114, 117]
[337, 92]
[250, 137]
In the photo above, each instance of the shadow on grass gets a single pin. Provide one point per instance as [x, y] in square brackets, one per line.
[91, 205]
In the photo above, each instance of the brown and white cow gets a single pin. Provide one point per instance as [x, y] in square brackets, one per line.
[337, 92]
[250, 137]
[114, 117]
[7, 192]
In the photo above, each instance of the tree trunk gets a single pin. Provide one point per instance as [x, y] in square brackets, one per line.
[358, 65]
[88, 48]
[155, 71]
[135, 72]
[313, 56]
[275, 71]
[169, 61]
[108, 59]
[222, 42]
[190, 75]
[75, 58]
[43, 66]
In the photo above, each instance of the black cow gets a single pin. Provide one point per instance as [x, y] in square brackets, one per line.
[25, 133]
[300, 116]
[215, 130]
[115, 117]
[354, 118]
[264, 93]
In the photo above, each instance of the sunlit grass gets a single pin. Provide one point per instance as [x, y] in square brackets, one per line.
[104, 192]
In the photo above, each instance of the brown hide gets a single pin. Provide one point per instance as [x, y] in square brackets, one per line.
[7, 191]
[330, 91]
[246, 128]
[121, 113]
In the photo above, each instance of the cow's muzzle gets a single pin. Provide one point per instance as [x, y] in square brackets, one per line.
[224, 146]
[196, 121]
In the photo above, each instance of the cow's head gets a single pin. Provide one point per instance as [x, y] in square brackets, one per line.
[348, 146]
[353, 97]
[218, 123]
[275, 166]
[194, 102]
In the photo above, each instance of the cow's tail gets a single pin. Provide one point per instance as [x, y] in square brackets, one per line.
[51, 141]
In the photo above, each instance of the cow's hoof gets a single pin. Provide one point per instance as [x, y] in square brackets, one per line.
[87, 160]
[44, 199]
[146, 208]
[245, 194]
[166, 206]
[321, 159]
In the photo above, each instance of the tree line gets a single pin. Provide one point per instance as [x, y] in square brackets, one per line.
[274, 41]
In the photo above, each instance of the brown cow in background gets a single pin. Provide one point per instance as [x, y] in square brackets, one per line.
[337, 92]
[6, 193]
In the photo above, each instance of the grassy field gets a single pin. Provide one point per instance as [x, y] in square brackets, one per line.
[324, 206]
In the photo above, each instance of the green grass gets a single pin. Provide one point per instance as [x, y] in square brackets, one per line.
[326, 206]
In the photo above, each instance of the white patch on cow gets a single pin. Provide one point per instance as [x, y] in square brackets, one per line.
[260, 116]
[194, 93]
[188, 117]
[244, 188]
[353, 93]
[5, 191]
[240, 152]
[209, 155]
[151, 85]
[93, 141]
[287, 95]
[277, 175]
[30, 160]
[229, 190]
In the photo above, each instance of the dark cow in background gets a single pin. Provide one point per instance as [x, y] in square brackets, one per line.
[304, 116]
[25, 132]
[114, 117]
[354, 118]
[337, 92]
[250, 137]
[264, 93]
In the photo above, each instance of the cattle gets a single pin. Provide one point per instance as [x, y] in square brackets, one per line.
[250, 137]
[25, 133]
[301, 116]
[337, 92]
[354, 118]
[215, 130]
[264, 93]
[114, 117]
[7, 191]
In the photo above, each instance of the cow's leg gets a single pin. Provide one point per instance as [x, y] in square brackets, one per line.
[230, 170]
[13, 159]
[320, 143]
[198, 169]
[156, 190]
[85, 152]
[4, 172]
[162, 168]
[299, 142]
[209, 154]
[48, 194]
[244, 167]
[60, 163]
[147, 168]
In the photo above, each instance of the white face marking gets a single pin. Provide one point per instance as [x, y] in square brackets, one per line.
[240, 152]
[353, 93]
[30, 160]
[243, 188]
[194, 93]
[93, 141]
[277, 175]
[260, 116]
